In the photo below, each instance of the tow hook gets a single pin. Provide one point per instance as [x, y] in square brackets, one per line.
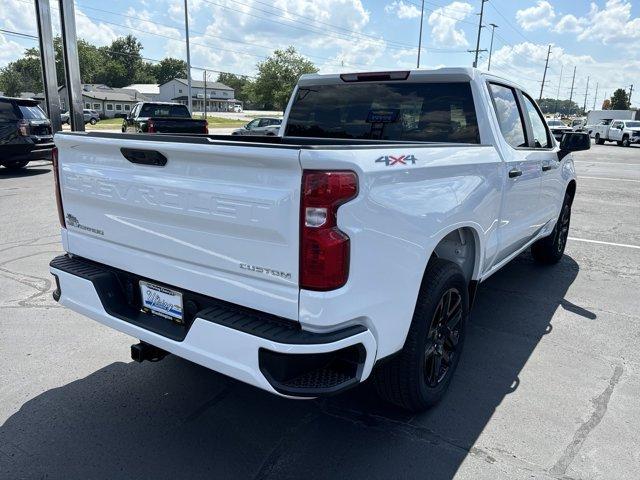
[143, 351]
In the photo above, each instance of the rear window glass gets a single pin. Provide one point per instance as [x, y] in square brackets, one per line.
[429, 112]
[633, 124]
[7, 112]
[32, 112]
[151, 110]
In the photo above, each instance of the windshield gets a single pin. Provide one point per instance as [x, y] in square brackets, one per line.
[32, 112]
[155, 110]
[633, 124]
[555, 123]
[429, 112]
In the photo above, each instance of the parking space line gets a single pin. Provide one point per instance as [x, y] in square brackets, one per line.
[607, 178]
[575, 239]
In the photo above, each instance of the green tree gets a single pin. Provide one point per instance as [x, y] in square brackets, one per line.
[90, 58]
[170, 68]
[237, 82]
[22, 75]
[564, 107]
[125, 52]
[276, 78]
[620, 100]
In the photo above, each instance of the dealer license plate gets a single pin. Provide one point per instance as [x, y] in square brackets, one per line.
[161, 301]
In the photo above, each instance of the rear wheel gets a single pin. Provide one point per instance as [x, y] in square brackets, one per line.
[93, 121]
[15, 165]
[549, 250]
[418, 376]
[599, 140]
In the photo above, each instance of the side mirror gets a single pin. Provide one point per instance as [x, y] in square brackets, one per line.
[573, 142]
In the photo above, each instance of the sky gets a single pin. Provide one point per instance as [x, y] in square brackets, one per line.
[601, 38]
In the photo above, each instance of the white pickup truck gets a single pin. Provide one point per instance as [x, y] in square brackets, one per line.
[623, 132]
[349, 246]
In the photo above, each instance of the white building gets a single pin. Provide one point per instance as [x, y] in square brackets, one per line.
[149, 90]
[219, 97]
[107, 101]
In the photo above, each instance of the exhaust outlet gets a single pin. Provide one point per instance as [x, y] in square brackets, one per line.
[144, 351]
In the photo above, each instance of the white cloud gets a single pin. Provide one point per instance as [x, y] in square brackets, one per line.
[97, 33]
[612, 24]
[402, 10]
[9, 50]
[570, 24]
[537, 16]
[443, 25]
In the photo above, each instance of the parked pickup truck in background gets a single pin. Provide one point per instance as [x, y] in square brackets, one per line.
[624, 132]
[303, 264]
[25, 133]
[161, 117]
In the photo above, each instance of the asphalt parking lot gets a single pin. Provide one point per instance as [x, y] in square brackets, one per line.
[548, 387]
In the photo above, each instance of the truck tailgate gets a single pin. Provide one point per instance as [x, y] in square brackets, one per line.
[217, 219]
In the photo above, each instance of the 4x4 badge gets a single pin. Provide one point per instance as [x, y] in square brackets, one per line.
[390, 160]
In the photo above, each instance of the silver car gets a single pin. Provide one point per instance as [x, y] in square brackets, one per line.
[90, 116]
[260, 126]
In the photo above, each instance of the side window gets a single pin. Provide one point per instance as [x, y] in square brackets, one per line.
[7, 113]
[508, 113]
[253, 124]
[541, 137]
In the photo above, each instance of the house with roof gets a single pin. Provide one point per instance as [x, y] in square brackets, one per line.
[218, 97]
[149, 90]
[109, 102]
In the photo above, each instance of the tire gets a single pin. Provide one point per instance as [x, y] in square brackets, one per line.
[549, 250]
[625, 141]
[407, 379]
[93, 121]
[599, 141]
[15, 165]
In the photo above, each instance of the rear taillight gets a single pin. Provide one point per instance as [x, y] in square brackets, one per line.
[23, 128]
[206, 127]
[56, 179]
[151, 127]
[324, 248]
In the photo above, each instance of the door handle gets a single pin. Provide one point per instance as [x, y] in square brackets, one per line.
[144, 157]
[514, 172]
[546, 168]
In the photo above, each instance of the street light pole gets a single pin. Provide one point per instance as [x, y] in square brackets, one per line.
[186, 30]
[420, 35]
[493, 29]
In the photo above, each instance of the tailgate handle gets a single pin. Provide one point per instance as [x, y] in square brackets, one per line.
[144, 157]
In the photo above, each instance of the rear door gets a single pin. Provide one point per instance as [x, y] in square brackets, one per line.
[615, 131]
[520, 217]
[218, 219]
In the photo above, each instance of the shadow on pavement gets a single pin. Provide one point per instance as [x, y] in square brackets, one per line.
[24, 172]
[174, 419]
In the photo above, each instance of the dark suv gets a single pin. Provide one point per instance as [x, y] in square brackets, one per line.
[25, 133]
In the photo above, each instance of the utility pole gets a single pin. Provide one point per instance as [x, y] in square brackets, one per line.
[477, 50]
[420, 34]
[559, 82]
[595, 97]
[586, 92]
[204, 76]
[493, 29]
[186, 30]
[572, 82]
[544, 75]
[630, 92]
